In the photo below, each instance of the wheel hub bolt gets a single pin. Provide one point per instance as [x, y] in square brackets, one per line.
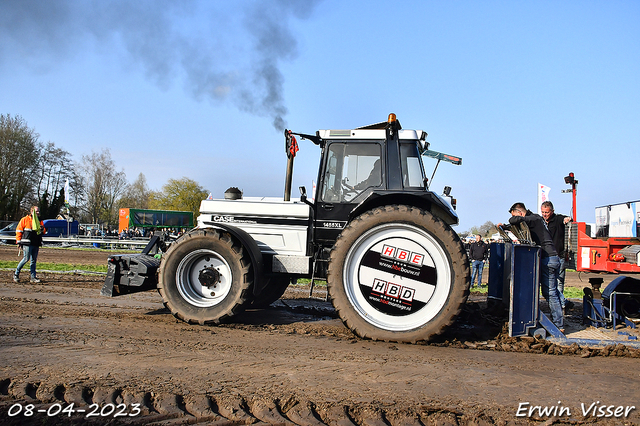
[209, 277]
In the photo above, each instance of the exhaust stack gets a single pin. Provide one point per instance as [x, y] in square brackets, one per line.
[291, 148]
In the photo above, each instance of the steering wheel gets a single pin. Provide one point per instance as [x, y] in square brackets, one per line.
[348, 191]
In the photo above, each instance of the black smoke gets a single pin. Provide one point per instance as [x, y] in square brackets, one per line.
[198, 43]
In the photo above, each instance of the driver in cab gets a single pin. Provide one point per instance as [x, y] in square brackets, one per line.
[374, 179]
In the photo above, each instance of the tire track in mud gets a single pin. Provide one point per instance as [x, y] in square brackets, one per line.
[51, 315]
[153, 408]
[298, 316]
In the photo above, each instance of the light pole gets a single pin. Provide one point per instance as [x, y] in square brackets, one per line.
[571, 180]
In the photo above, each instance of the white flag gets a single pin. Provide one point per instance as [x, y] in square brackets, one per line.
[543, 195]
[66, 192]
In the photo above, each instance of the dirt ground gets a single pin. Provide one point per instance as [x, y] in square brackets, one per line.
[61, 342]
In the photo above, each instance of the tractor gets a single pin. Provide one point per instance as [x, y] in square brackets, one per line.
[394, 267]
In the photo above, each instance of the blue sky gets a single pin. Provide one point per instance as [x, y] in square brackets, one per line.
[523, 91]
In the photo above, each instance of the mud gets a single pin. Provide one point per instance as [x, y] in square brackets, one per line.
[61, 343]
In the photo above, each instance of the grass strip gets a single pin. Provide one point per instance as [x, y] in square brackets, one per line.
[61, 267]
[96, 250]
[569, 292]
[573, 292]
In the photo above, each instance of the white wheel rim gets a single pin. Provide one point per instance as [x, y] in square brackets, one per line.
[188, 282]
[404, 289]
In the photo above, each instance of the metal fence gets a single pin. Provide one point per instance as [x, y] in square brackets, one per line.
[88, 241]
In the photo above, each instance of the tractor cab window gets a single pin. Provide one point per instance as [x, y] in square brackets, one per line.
[351, 169]
[412, 169]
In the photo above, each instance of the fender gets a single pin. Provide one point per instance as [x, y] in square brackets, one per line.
[424, 199]
[251, 246]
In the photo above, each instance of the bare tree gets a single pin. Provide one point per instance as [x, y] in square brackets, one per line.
[54, 168]
[136, 195]
[484, 230]
[488, 228]
[103, 186]
[19, 153]
[179, 194]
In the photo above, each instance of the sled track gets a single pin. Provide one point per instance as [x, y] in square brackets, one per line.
[174, 409]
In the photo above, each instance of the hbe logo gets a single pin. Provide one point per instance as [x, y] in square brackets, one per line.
[393, 290]
[402, 255]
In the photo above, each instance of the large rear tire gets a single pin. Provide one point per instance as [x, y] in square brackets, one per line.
[206, 277]
[397, 273]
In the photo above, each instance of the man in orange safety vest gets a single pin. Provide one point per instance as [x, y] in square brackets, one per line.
[29, 236]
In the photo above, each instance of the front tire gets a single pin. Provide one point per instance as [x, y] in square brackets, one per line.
[206, 277]
[398, 273]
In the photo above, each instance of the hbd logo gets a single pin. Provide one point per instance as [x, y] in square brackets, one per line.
[393, 290]
[402, 255]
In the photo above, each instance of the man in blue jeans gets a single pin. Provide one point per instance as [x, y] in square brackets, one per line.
[478, 253]
[549, 260]
[556, 224]
[29, 234]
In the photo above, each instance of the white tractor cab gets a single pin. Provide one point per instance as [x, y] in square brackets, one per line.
[395, 269]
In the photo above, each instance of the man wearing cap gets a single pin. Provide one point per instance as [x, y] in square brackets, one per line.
[29, 237]
[549, 260]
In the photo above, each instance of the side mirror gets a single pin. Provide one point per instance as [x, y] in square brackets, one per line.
[303, 196]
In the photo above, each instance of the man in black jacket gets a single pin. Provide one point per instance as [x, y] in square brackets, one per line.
[556, 223]
[549, 261]
[478, 253]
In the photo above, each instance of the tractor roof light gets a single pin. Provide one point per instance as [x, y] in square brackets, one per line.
[392, 118]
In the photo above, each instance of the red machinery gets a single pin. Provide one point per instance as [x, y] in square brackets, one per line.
[616, 247]
[605, 254]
